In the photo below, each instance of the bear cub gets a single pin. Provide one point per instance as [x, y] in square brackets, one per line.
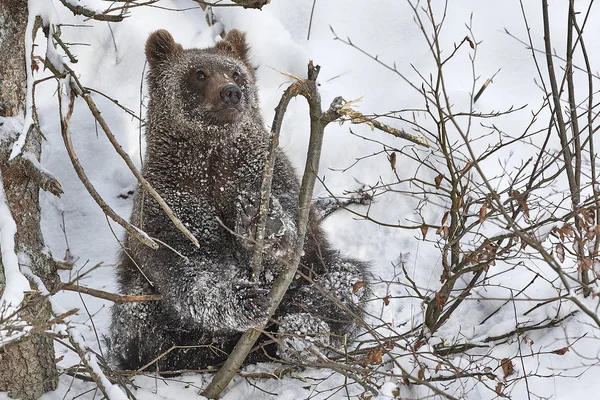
[205, 154]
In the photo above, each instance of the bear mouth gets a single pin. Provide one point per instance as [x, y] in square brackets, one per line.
[227, 114]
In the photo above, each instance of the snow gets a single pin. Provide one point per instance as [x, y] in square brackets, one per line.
[113, 62]
[45, 9]
[16, 283]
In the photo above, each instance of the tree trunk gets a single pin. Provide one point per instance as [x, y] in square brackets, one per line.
[27, 367]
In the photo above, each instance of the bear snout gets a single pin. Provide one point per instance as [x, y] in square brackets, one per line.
[231, 94]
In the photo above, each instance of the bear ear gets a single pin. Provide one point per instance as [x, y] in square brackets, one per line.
[235, 44]
[161, 46]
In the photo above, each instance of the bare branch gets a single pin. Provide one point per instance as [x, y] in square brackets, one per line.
[66, 134]
[101, 294]
[80, 10]
[318, 121]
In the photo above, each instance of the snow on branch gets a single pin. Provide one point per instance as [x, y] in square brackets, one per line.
[93, 14]
[77, 340]
[15, 283]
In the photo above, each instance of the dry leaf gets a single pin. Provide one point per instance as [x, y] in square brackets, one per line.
[375, 356]
[424, 230]
[468, 39]
[392, 159]
[499, 387]
[568, 229]
[482, 212]
[359, 285]
[438, 180]
[421, 374]
[507, 367]
[445, 217]
[561, 352]
[386, 300]
[442, 230]
[438, 367]
[560, 252]
[459, 202]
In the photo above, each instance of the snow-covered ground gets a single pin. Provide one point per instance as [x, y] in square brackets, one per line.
[111, 60]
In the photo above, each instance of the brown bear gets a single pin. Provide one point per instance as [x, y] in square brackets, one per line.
[206, 149]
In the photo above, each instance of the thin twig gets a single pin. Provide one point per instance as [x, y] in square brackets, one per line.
[359, 118]
[101, 294]
[80, 10]
[265, 191]
[66, 134]
[80, 89]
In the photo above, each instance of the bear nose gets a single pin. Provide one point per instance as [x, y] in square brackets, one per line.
[231, 94]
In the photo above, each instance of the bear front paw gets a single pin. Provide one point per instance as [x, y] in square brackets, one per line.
[302, 337]
[280, 228]
[253, 302]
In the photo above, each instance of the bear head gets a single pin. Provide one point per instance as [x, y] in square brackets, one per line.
[201, 86]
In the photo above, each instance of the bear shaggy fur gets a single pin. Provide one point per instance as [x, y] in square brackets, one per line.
[206, 149]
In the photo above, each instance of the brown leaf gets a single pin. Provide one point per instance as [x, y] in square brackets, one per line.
[443, 231]
[521, 201]
[445, 217]
[499, 387]
[507, 367]
[359, 285]
[386, 300]
[424, 230]
[568, 230]
[392, 159]
[459, 202]
[482, 212]
[375, 356]
[421, 374]
[438, 180]
[560, 252]
[561, 352]
[560, 232]
[468, 39]
[438, 367]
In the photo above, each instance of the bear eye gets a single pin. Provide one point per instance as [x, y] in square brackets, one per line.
[200, 75]
[236, 77]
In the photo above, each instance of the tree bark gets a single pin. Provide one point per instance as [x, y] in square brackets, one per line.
[27, 367]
